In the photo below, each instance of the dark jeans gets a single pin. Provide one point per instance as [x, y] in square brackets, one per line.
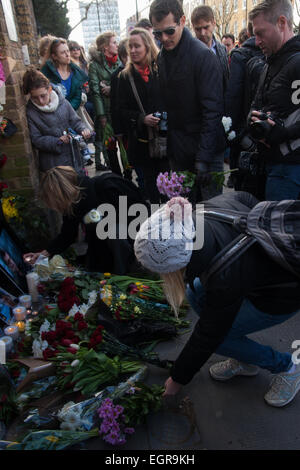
[283, 182]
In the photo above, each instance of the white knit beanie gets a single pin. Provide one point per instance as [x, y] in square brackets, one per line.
[164, 242]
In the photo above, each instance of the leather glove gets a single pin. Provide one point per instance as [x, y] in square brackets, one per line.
[277, 135]
[203, 177]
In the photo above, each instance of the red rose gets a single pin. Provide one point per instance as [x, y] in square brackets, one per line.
[69, 334]
[92, 343]
[49, 336]
[75, 339]
[66, 342]
[72, 350]
[78, 317]
[100, 328]
[82, 325]
[47, 353]
[98, 339]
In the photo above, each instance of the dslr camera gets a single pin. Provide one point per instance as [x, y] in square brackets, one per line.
[163, 123]
[260, 129]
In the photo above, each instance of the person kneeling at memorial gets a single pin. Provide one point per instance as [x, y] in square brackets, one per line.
[231, 304]
[77, 198]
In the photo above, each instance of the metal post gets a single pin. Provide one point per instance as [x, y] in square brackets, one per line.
[136, 10]
[98, 16]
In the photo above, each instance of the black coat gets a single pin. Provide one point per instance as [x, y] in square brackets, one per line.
[103, 255]
[223, 59]
[279, 96]
[226, 291]
[192, 89]
[132, 116]
[114, 101]
[235, 96]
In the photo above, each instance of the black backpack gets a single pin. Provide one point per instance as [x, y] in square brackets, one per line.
[275, 225]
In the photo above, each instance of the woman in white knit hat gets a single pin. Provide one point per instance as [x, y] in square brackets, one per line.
[233, 303]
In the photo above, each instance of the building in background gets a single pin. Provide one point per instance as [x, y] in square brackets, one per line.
[102, 16]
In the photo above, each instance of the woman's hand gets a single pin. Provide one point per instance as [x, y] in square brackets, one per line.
[103, 121]
[65, 139]
[86, 133]
[171, 387]
[31, 258]
[105, 88]
[150, 120]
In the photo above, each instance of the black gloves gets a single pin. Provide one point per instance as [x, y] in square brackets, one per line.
[277, 135]
[203, 175]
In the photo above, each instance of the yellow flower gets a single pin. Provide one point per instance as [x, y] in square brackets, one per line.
[52, 438]
[8, 207]
[123, 297]
[107, 274]
[137, 310]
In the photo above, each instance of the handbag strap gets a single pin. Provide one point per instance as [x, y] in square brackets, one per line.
[136, 95]
[138, 100]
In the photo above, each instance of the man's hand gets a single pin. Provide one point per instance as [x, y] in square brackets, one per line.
[203, 175]
[171, 387]
[255, 117]
[151, 121]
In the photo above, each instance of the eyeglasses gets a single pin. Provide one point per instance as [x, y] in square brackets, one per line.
[168, 31]
[74, 48]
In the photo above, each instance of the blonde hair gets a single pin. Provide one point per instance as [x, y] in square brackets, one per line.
[52, 48]
[174, 289]
[59, 190]
[104, 39]
[151, 48]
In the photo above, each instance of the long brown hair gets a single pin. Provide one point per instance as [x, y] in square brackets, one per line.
[52, 48]
[59, 190]
[151, 48]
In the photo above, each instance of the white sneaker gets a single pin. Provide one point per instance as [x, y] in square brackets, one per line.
[225, 370]
[284, 387]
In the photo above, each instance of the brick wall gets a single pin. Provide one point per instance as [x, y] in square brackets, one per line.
[20, 171]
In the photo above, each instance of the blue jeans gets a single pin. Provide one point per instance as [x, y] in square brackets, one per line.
[283, 182]
[248, 320]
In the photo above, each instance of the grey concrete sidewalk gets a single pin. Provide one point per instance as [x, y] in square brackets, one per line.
[227, 416]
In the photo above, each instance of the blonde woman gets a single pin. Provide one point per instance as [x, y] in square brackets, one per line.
[232, 304]
[142, 67]
[73, 196]
[104, 63]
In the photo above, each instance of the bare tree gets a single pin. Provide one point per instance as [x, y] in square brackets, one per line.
[223, 11]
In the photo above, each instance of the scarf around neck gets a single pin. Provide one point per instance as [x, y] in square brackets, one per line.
[51, 106]
[144, 71]
[111, 60]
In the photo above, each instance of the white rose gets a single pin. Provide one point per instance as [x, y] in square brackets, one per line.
[92, 297]
[231, 135]
[227, 123]
[92, 217]
[37, 349]
[83, 309]
[73, 311]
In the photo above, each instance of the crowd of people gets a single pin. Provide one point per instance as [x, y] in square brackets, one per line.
[163, 69]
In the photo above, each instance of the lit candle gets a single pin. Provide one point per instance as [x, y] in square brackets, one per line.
[28, 311]
[35, 312]
[20, 325]
[11, 331]
[25, 300]
[32, 281]
[19, 313]
[7, 340]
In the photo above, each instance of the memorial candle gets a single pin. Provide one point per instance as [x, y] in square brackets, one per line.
[11, 331]
[25, 301]
[19, 313]
[32, 281]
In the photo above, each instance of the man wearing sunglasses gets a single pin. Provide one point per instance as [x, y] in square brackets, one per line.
[192, 89]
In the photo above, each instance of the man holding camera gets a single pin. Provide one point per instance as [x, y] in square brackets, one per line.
[192, 88]
[274, 119]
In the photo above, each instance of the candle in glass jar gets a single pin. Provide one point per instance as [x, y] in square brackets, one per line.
[7, 340]
[19, 313]
[20, 325]
[11, 331]
[25, 301]
[35, 313]
[32, 281]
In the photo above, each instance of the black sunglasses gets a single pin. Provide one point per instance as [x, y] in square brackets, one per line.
[75, 48]
[168, 31]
